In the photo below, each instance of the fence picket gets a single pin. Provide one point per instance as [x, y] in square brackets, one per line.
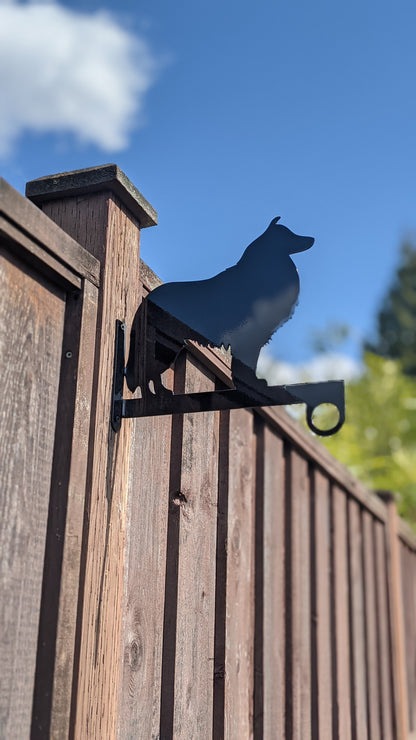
[322, 618]
[239, 653]
[359, 666]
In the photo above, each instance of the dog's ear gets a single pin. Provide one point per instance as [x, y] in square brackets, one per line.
[274, 220]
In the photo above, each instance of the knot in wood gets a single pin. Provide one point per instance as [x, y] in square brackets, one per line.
[179, 499]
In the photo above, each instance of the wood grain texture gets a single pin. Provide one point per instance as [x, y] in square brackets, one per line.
[406, 534]
[218, 707]
[412, 656]
[31, 252]
[56, 640]
[373, 668]
[142, 635]
[234, 580]
[299, 438]
[78, 455]
[259, 566]
[239, 667]
[99, 677]
[384, 647]
[170, 624]
[298, 663]
[342, 631]
[30, 219]
[274, 587]
[322, 616]
[409, 626]
[395, 579]
[107, 231]
[412, 577]
[358, 645]
[196, 501]
[86, 220]
[92, 179]
[31, 320]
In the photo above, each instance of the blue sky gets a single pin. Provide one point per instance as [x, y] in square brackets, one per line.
[225, 115]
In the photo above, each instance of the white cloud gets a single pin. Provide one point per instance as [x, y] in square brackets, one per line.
[67, 71]
[331, 366]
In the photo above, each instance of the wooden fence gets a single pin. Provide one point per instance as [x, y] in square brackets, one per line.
[214, 575]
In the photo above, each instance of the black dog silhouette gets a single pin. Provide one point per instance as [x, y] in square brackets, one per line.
[240, 307]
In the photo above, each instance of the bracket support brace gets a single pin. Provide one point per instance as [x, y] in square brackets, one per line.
[245, 396]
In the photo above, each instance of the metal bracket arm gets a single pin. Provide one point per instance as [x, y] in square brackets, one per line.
[166, 402]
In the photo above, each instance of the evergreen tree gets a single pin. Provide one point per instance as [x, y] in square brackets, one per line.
[396, 321]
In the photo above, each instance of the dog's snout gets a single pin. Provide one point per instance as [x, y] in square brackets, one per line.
[308, 241]
[301, 244]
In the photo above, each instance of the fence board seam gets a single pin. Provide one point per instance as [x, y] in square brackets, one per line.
[288, 593]
[167, 698]
[57, 517]
[351, 625]
[258, 439]
[378, 632]
[221, 579]
[314, 614]
[335, 710]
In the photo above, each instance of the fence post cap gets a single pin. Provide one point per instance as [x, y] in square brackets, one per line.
[106, 177]
[385, 495]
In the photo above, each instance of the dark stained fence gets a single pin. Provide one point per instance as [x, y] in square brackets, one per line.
[48, 305]
[214, 575]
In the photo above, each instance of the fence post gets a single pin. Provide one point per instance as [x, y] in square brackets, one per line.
[394, 577]
[104, 212]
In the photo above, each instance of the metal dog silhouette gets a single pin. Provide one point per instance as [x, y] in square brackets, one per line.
[240, 308]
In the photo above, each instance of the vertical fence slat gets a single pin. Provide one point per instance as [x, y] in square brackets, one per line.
[145, 579]
[359, 667]
[412, 657]
[323, 720]
[371, 629]
[218, 708]
[412, 579]
[197, 502]
[176, 501]
[259, 566]
[409, 633]
[384, 637]
[239, 669]
[408, 625]
[411, 640]
[32, 319]
[100, 667]
[342, 613]
[394, 575]
[298, 686]
[274, 587]
[72, 444]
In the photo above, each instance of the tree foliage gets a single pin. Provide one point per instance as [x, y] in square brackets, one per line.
[378, 439]
[396, 320]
